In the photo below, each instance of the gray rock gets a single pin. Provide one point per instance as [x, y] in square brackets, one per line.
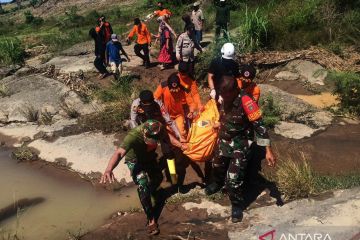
[49, 109]
[86, 152]
[287, 76]
[311, 72]
[3, 117]
[68, 64]
[8, 70]
[338, 216]
[38, 92]
[294, 130]
[83, 48]
[34, 91]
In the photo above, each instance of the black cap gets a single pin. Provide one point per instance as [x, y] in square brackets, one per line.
[146, 96]
[173, 81]
[248, 71]
[137, 21]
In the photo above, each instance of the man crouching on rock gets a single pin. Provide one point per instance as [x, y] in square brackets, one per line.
[139, 148]
[239, 117]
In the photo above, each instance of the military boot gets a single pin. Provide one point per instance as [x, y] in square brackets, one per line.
[212, 188]
[236, 214]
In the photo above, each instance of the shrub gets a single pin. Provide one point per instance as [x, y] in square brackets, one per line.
[11, 51]
[347, 89]
[295, 180]
[72, 18]
[24, 153]
[33, 3]
[30, 19]
[30, 113]
[70, 111]
[205, 58]
[46, 118]
[270, 110]
[302, 15]
[119, 98]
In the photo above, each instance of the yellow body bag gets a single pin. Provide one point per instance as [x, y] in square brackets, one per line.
[202, 137]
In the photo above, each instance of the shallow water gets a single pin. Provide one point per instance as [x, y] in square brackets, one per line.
[55, 205]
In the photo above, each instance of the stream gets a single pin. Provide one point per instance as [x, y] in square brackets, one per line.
[53, 206]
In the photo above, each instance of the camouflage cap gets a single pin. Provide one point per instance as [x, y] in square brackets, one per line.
[152, 130]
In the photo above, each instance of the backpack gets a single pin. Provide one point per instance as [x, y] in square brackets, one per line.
[107, 32]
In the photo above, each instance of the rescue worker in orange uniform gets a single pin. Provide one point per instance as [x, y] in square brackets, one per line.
[143, 41]
[192, 91]
[162, 11]
[173, 95]
[245, 82]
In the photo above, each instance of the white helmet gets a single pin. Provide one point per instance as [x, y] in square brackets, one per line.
[228, 51]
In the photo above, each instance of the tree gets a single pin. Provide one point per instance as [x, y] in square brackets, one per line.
[1, 9]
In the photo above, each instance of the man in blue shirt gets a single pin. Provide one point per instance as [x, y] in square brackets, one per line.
[113, 57]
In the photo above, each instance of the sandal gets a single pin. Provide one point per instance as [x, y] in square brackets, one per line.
[153, 229]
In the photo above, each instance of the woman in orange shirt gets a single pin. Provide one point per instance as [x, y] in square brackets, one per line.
[172, 94]
[143, 41]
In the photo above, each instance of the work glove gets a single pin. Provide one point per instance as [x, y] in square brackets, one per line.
[220, 100]
[213, 93]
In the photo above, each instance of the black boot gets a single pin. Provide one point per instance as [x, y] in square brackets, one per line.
[212, 188]
[236, 214]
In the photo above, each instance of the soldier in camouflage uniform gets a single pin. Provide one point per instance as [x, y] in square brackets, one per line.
[139, 148]
[240, 120]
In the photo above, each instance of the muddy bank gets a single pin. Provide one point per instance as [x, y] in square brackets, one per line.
[334, 151]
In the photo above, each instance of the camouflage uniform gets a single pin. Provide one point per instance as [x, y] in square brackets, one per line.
[239, 123]
[144, 168]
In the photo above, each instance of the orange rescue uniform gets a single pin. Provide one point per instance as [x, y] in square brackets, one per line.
[173, 102]
[163, 12]
[250, 88]
[143, 34]
[193, 95]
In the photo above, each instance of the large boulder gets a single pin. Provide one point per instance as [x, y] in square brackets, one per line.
[34, 93]
[311, 72]
[84, 153]
[68, 64]
[294, 130]
[83, 48]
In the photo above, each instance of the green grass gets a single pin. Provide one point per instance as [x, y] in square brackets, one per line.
[11, 51]
[118, 99]
[324, 183]
[270, 110]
